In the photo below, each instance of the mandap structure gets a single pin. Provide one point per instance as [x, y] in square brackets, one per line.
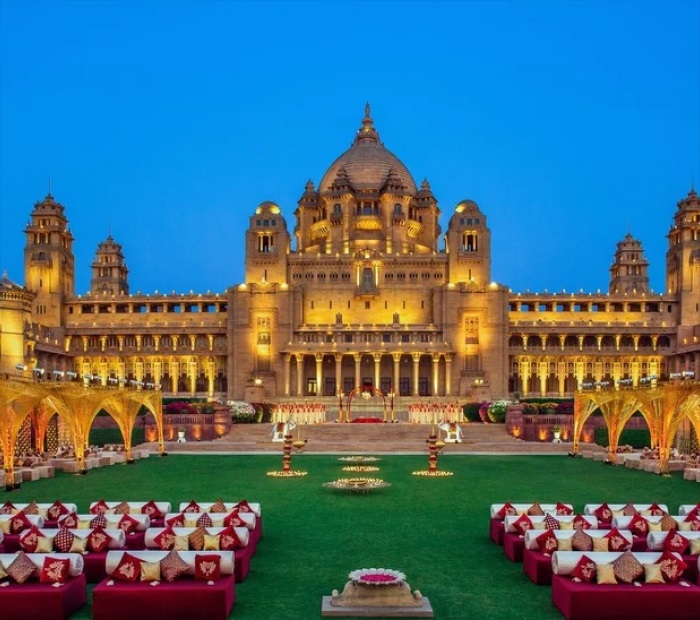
[664, 406]
[77, 405]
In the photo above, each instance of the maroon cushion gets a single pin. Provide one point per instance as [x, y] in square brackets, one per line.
[207, 567]
[192, 507]
[580, 522]
[54, 570]
[56, 510]
[128, 569]
[550, 522]
[639, 526]
[98, 540]
[150, 509]
[506, 510]
[675, 542]
[603, 513]
[671, 567]
[584, 570]
[547, 542]
[562, 509]
[616, 541]
[99, 508]
[522, 524]
[166, 539]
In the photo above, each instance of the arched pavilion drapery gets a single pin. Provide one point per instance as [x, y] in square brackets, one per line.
[663, 406]
[124, 406]
[617, 408]
[78, 406]
[584, 406]
[40, 417]
[17, 399]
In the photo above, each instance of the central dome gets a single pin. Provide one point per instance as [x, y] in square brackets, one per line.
[367, 163]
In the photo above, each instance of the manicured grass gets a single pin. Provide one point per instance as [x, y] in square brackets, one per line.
[434, 530]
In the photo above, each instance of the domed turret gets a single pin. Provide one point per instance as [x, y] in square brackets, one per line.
[368, 163]
[629, 271]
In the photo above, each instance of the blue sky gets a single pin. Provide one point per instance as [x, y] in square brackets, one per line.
[169, 122]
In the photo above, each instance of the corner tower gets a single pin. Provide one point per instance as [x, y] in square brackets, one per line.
[629, 272]
[468, 245]
[49, 264]
[683, 258]
[109, 270]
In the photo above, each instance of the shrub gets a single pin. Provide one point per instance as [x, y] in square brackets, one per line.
[204, 408]
[497, 411]
[565, 407]
[179, 407]
[531, 408]
[548, 408]
[471, 412]
[242, 412]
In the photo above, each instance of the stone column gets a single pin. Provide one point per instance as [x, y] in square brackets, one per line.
[338, 372]
[175, 375]
[156, 341]
[542, 372]
[448, 374]
[377, 368]
[436, 362]
[286, 362]
[212, 367]
[416, 361]
[397, 371]
[300, 374]
[358, 380]
[192, 367]
[319, 374]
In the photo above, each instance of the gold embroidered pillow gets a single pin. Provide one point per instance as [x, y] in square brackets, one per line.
[652, 574]
[196, 539]
[181, 543]
[21, 569]
[565, 544]
[79, 545]
[44, 544]
[535, 510]
[173, 566]
[211, 543]
[581, 541]
[627, 568]
[668, 523]
[150, 571]
[122, 508]
[605, 574]
[695, 546]
[600, 544]
[218, 506]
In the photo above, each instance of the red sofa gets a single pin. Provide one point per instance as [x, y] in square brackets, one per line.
[33, 600]
[185, 598]
[591, 601]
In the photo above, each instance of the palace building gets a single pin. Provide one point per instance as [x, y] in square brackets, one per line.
[365, 289]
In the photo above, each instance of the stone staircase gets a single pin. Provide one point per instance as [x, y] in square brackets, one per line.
[401, 437]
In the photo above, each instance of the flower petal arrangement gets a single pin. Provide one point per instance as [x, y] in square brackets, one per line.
[377, 576]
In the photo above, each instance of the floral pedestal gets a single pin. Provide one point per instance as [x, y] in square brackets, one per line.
[377, 592]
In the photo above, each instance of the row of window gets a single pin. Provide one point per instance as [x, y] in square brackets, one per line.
[147, 341]
[368, 305]
[595, 306]
[588, 341]
[388, 277]
[153, 307]
[372, 338]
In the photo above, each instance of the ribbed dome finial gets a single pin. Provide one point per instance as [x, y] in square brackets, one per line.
[367, 133]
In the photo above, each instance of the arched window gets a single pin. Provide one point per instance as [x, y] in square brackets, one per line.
[470, 242]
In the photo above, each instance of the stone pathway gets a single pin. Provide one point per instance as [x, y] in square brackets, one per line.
[399, 438]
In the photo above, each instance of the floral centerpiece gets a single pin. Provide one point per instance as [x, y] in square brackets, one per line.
[377, 576]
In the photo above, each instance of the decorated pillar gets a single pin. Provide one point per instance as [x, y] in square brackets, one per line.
[357, 357]
[416, 362]
[300, 373]
[436, 362]
[319, 374]
[448, 374]
[338, 372]
[377, 367]
[397, 370]
[286, 360]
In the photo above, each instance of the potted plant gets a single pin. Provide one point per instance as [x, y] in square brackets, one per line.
[181, 434]
[556, 431]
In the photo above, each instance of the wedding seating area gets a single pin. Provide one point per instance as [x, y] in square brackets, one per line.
[126, 548]
[624, 560]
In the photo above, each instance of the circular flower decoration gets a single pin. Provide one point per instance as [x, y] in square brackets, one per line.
[377, 576]
[358, 459]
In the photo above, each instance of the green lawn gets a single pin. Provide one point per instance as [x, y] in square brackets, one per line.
[434, 530]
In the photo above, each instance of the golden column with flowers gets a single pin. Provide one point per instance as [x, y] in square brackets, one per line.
[584, 406]
[17, 399]
[664, 408]
[617, 408]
